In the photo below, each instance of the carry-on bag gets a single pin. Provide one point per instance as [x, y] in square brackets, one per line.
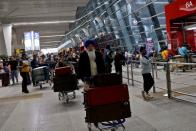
[109, 112]
[103, 80]
[107, 95]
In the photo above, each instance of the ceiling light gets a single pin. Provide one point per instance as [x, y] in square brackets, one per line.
[43, 22]
[51, 42]
[49, 36]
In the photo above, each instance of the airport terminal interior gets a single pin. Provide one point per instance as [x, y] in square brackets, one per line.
[97, 65]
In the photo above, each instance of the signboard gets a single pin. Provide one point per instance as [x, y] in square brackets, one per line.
[31, 41]
[28, 41]
[36, 41]
[149, 45]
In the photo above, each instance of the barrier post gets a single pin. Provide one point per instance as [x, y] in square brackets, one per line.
[132, 78]
[156, 70]
[168, 78]
[154, 86]
[128, 73]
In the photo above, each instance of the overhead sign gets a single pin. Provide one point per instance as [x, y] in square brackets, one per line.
[32, 41]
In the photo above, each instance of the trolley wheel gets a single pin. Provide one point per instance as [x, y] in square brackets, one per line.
[67, 100]
[74, 94]
[61, 96]
[89, 127]
[40, 86]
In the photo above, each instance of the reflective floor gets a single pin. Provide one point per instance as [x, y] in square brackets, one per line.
[42, 111]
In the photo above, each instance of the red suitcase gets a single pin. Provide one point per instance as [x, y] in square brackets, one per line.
[107, 95]
[63, 71]
[109, 112]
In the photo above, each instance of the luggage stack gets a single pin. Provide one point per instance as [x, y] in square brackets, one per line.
[40, 74]
[65, 80]
[108, 100]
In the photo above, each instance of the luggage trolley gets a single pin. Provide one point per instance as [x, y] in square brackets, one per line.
[107, 107]
[65, 83]
[41, 75]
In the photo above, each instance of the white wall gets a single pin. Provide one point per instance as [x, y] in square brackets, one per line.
[7, 32]
[3, 50]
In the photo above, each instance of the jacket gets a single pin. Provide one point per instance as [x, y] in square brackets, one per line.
[84, 65]
[146, 65]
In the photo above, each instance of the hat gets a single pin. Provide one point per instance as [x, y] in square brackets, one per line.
[88, 42]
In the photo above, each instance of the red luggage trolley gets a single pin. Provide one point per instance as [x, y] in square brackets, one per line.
[107, 106]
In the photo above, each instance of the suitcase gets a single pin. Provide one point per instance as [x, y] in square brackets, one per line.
[65, 83]
[107, 95]
[39, 78]
[66, 87]
[109, 112]
[63, 71]
[65, 79]
[39, 71]
[107, 80]
[5, 79]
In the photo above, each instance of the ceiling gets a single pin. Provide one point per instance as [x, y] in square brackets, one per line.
[26, 11]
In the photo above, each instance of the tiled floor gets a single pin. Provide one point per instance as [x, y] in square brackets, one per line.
[42, 111]
[46, 113]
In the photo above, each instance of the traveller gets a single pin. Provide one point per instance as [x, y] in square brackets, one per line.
[165, 54]
[25, 70]
[108, 59]
[146, 73]
[4, 74]
[119, 60]
[91, 62]
[14, 69]
[183, 51]
[34, 64]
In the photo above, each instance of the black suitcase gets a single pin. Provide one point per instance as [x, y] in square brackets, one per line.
[103, 80]
[5, 79]
[40, 71]
[65, 83]
[65, 79]
[66, 87]
[110, 112]
[39, 78]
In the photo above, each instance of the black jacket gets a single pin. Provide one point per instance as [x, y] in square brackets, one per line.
[84, 65]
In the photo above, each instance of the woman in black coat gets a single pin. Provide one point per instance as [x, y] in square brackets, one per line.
[91, 62]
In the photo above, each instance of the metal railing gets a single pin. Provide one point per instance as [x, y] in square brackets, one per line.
[169, 77]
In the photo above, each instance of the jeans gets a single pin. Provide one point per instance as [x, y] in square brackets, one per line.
[148, 82]
[24, 81]
[14, 75]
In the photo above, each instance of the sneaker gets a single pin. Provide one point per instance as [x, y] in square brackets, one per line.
[144, 95]
[149, 96]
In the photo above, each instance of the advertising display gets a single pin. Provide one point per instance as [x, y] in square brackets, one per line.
[36, 41]
[27, 41]
[32, 41]
[149, 45]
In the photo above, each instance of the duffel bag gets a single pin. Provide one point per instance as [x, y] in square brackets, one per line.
[107, 80]
[107, 95]
[109, 112]
[63, 71]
